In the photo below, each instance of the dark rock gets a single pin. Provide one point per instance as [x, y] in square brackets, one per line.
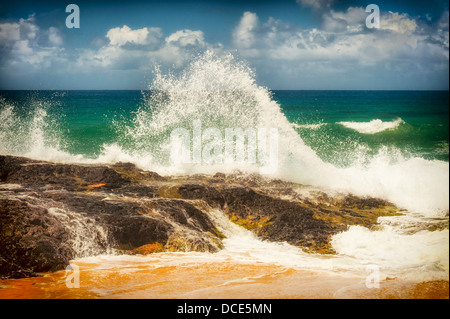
[197, 191]
[63, 211]
[67, 176]
[133, 173]
[284, 220]
[136, 191]
[31, 240]
[9, 164]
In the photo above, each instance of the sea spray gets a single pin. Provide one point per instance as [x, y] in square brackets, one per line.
[28, 130]
[222, 92]
[227, 149]
[219, 92]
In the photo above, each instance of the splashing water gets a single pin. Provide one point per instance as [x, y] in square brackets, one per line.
[86, 236]
[31, 133]
[222, 92]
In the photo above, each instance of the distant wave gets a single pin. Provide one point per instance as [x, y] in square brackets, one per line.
[374, 126]
[308, 126]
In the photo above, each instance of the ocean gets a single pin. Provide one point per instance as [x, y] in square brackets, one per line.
[392, 145]
[337, 125]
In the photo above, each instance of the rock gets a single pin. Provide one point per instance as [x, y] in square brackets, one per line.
[197, 191]
[130, 171]
[277, 219]
[51, 213]
[31, 240]
[149, 249]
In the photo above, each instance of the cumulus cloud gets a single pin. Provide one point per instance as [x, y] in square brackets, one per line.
[24, 42]
[186, 38]
[245, 32]
[343, 35]
[344, 44]
[9, 32]
[441, 35]
[352, 20]
[443, 21]
[24, 29]
[140, 49]
[399, 23]
[340, 46]
[125, 35]
[54, 37]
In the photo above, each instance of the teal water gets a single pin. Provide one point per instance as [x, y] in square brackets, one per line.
[423, 118]
[413, 123]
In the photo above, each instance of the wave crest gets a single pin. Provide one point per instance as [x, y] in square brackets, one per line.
[374, 126]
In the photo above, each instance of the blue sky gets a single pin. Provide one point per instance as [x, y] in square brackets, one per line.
[297, 44]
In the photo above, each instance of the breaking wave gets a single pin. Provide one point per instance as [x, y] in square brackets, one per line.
[374, 126]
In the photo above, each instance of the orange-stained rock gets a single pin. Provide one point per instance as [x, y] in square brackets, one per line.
[149, 249]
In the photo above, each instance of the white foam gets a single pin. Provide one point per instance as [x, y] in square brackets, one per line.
[419, 256]
[374, 126]
[308, 126]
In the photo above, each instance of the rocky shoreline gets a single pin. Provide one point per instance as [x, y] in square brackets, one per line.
[51, 213]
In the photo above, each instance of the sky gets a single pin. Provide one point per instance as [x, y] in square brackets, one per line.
[296, 44]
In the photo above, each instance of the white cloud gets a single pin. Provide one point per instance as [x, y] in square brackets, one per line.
[140, 49]
[28, 28]
[24, 29]
[244, 34]
[342, 46]
[54, 37]
[186, 37]
[351, 20]
[9, 32]
[444, 21]
[121, 36]
[396, 37]
[23, 43]
[399, 23]
[22, 48]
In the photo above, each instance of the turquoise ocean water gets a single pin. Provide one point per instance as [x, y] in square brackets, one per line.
[335, 124]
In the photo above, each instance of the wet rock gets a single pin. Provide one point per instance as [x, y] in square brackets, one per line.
[279, 219]
[149, 249]
[9, 164]
[132, 173]
[68, 176]
[51, 213]
[197, 191]
[31, 240]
